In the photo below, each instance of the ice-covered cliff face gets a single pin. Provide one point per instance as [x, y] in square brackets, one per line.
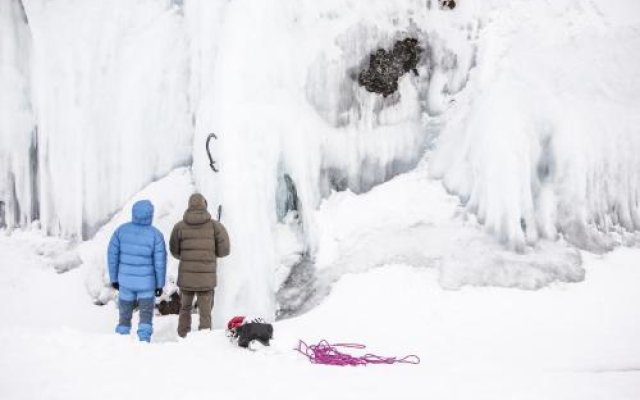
[546, 140]
[283, 95]
[107, 83]
[18, 136]
[526, 110]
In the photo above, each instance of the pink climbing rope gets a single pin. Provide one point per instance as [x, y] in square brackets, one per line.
[327, 353]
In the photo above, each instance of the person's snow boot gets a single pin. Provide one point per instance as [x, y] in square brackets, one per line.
[144, 332]
[123, 329]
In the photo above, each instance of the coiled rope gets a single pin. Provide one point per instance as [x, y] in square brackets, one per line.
[328, 354]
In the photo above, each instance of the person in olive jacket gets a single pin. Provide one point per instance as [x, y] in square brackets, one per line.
[197, 241]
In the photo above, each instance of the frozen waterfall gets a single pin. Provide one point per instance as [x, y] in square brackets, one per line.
[534, 129]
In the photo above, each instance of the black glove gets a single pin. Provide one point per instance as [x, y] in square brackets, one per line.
[158, 292]
[115, 285]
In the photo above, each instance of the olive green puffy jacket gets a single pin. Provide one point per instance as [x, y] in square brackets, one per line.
[197, 241]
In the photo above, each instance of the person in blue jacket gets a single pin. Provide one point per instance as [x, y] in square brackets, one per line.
[137, 268]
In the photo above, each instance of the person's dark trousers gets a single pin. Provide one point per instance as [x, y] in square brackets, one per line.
[204, 300]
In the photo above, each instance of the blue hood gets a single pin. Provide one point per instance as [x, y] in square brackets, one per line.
[142, 213]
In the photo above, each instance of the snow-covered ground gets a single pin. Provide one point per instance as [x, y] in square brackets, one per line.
[403, 283]
[566, 341]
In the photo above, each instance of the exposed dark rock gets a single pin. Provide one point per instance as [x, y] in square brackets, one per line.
[386, 67]
[170, 307]
[450, 4]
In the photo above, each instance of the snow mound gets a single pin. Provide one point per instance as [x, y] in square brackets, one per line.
[412, 220]
[170, 196]
[580, 340]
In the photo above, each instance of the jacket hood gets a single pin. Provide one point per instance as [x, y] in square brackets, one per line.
[197, 213]
[142, 212]
[197, 202]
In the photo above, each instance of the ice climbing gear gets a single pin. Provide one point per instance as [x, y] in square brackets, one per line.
[328, 354]
[212, 163]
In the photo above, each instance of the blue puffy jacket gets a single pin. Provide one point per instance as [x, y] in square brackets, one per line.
[137, 256]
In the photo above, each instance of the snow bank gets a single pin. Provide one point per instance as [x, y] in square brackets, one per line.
[412, 220]
[170, 196]
[563, 342]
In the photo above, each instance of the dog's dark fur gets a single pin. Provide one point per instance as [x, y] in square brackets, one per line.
[170, 307]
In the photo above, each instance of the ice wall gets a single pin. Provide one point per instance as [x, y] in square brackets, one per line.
[283, 98]
[546, 139]
[535, 102]
[526, 111]
[18, 131]
[109, 83]
[124, 92]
